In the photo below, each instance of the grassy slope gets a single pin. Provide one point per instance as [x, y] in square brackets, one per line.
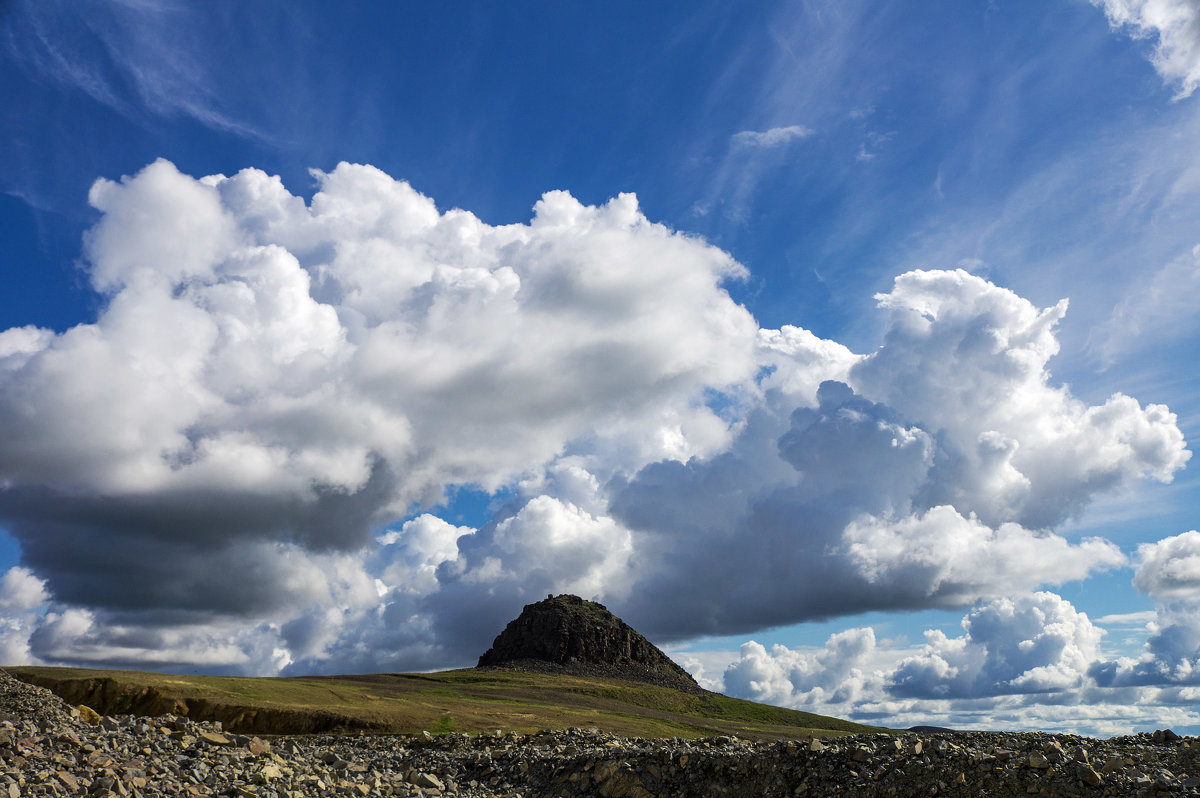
[473, 700]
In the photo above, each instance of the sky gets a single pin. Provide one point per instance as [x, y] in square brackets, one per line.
[845, 349]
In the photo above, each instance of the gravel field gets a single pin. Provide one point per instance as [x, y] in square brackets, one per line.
[50, 749]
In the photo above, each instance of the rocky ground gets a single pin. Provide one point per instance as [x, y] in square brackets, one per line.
[48, 748]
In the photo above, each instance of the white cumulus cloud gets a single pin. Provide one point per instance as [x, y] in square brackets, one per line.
[941, 553]
[1030, 644]
[927, 473]
[1174, 25]
[1168, 572]
[966, 360]
[22, 594]
[1015, 656]
[1170, 568]
[21, 590]
[266, 371]
[839, 673]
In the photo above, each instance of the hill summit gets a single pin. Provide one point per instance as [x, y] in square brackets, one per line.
[567, 634]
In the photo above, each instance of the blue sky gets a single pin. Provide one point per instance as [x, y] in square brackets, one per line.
[329, 338]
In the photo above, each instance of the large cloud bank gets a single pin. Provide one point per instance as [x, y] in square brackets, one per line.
[241, 463]
[928, 473]
[1034, 643]
[1014, 657]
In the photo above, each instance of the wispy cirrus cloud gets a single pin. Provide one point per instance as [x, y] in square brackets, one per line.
[1156, 310]
[133, 57]
[765, 139]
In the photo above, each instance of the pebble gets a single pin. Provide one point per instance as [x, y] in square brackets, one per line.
[50, 749]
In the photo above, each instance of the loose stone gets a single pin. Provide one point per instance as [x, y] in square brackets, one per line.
[50, 749]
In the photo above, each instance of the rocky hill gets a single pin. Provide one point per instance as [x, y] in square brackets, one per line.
[570, 635]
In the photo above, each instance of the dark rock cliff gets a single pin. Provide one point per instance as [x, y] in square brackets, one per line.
[567, 634]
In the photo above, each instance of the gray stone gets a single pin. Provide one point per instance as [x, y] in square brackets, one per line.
[126, 757]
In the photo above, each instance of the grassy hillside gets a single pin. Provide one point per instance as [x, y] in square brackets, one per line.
[469, 700]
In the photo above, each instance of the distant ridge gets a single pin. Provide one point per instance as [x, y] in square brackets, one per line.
[567, 634]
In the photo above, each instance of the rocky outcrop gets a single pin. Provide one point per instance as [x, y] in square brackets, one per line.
[567, 634]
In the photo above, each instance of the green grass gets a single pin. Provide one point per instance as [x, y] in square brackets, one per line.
[467, 700]
[444, 724]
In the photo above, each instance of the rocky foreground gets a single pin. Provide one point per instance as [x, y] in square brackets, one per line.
[48, 748]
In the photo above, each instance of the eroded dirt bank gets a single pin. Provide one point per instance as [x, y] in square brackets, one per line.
[111, 697]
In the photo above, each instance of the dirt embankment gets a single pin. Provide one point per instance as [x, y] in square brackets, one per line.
[111, 697]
